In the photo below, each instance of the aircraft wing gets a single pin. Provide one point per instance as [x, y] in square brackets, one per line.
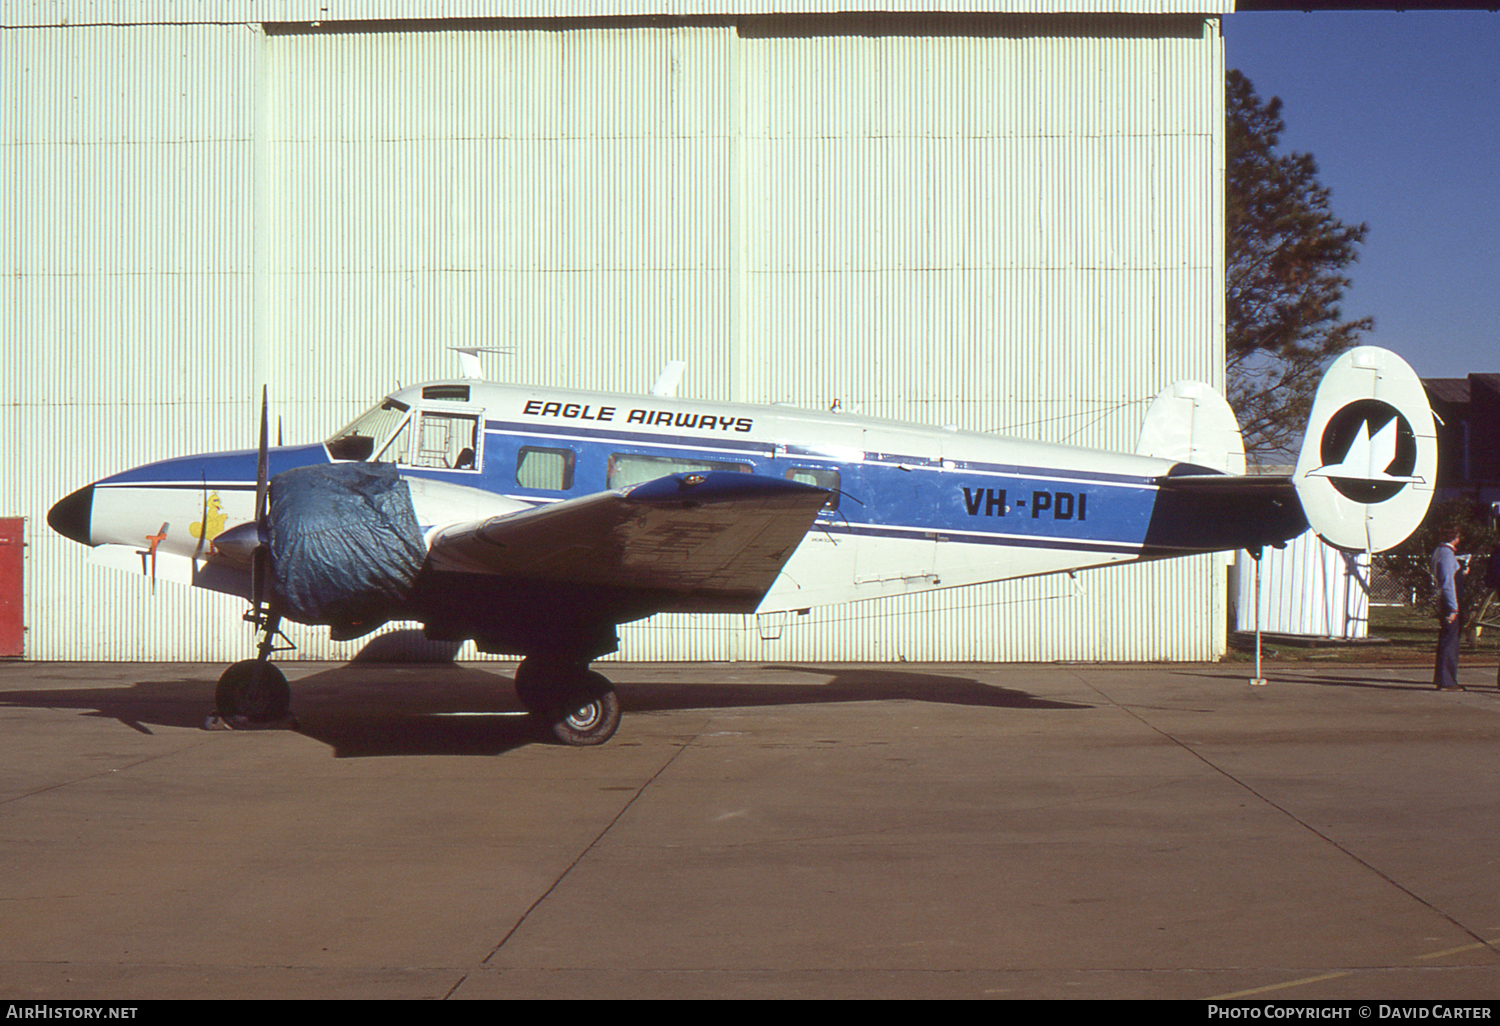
[710, 541]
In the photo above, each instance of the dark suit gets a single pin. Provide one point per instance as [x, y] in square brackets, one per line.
[1446, 575]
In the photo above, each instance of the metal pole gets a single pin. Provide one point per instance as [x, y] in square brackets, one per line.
[1258, 679]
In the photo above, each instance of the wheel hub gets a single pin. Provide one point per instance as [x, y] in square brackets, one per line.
[586, 717]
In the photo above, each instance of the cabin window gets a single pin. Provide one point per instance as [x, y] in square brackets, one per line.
[446, 441]
[626, 469]
[551, 469]
[818, 477]
[369, 432]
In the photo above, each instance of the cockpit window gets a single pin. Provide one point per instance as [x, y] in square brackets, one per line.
[369, 431]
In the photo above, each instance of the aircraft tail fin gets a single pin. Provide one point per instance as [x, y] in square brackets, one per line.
[1368, 464]
[1189, 422]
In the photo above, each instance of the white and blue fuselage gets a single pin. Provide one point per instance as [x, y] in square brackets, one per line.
[910, 509]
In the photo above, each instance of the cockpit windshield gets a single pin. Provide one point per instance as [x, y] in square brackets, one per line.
[368, 433]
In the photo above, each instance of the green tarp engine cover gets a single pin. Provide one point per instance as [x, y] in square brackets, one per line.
[345, 545]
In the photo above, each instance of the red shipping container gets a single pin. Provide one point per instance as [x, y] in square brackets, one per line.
[12, 551]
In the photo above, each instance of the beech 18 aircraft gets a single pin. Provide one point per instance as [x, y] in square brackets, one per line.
[534, 521]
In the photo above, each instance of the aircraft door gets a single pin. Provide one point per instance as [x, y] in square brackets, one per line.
[445, 439]
[897, 549]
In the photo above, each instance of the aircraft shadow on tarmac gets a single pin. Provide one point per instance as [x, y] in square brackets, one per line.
[1411, 679]
[364, 709]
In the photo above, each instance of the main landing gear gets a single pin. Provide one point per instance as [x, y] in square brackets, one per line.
[578, 706]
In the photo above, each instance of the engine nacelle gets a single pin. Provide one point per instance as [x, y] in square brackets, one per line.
[345, 544]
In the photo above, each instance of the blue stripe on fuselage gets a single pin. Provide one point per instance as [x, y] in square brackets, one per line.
[690, 445]
[885, 495]
[220, 470]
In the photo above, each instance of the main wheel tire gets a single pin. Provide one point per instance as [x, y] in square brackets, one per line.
[577, 706]
[254, 690]
[588, 712]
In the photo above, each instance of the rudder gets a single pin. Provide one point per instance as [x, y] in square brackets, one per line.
[1368, 464]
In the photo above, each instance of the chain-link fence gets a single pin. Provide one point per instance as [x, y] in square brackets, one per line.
[1388, 583]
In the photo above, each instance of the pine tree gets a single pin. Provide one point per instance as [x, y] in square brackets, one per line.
[1285, 277]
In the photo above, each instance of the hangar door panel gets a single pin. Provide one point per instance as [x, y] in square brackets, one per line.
[555, 189]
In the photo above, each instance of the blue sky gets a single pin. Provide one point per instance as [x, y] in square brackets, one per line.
[1402, 113]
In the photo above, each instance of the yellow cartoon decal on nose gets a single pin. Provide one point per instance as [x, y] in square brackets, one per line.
[212, 524]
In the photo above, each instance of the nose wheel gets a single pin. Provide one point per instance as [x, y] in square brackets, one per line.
[577, 706]
[253, 690]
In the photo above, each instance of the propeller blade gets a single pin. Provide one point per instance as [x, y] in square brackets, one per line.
[263, 461]
[260, 557]
[202, 524]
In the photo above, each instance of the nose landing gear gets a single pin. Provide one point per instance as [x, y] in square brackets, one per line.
[254, 691]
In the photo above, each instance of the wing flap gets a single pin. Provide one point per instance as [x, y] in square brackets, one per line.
[709, 542]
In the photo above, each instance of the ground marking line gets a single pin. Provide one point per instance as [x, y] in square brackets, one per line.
[1276, 986]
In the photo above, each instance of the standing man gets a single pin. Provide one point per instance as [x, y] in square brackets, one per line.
[1492, 580]
[1447, 576]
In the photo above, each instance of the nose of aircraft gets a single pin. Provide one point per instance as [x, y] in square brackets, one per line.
[72, 516]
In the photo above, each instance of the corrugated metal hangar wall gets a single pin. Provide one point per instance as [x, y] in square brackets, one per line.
[1010, 222]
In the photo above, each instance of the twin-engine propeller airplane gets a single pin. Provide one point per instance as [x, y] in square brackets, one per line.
[534, 520]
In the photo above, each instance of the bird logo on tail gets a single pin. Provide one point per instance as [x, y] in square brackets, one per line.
[1369, 452]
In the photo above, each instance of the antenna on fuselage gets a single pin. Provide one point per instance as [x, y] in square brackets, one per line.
[468, 359]
[668, 380]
